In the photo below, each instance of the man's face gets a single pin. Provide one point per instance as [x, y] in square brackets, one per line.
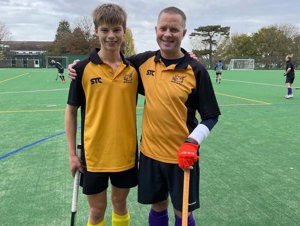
[110, 37]
[169, 34]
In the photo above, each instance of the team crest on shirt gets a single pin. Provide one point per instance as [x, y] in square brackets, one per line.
[178, 79]
[128, 78]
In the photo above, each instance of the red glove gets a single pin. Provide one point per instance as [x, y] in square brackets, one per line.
[187, 154]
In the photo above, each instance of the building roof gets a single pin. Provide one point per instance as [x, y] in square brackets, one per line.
[28, 45]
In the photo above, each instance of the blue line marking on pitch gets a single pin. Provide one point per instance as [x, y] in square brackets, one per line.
[29, 145]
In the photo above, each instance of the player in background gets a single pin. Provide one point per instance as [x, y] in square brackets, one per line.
[218, 68]
[60, 70]
[289, 76]
[106, 91]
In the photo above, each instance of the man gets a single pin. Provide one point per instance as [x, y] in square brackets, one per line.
[175, 87]
[218, 68]
[290, 76]
[60, 70]
[106, 92]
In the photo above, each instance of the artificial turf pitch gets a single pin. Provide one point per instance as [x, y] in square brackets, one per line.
[250, 163]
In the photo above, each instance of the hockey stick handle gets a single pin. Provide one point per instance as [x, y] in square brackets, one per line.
[75, 189]
[185, 197]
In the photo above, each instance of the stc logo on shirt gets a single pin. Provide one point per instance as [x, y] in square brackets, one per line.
[96, 80]
[150, 72]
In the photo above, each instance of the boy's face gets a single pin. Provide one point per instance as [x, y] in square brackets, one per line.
[110, 36]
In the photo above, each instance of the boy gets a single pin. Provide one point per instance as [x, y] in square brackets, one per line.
[218, 68]
[290, 76]
[60, 70]
[106, 92]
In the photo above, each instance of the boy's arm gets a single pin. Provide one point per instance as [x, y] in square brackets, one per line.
[71, 128]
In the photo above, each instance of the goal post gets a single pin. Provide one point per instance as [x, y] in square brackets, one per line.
[241, 64]
[64, 60]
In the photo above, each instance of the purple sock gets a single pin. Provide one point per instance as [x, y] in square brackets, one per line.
[158, 218]
[289, 91]
[191, 221]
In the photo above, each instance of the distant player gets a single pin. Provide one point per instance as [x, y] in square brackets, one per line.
[218, 68]
[60, 70]
[289, 76]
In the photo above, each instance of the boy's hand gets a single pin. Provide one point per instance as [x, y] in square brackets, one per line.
[75, 164]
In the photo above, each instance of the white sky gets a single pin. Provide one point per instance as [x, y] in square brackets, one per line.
[32, 20]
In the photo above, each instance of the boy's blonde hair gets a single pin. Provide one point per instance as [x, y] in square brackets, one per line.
[289, 56]
[109, 14]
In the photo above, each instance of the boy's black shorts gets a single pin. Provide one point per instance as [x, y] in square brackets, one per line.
[93, 183]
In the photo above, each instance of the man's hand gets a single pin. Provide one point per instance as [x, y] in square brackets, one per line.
[187, 154]
[194, 56]
[71, 71]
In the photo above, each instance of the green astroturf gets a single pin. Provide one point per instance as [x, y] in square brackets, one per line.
[250, 163]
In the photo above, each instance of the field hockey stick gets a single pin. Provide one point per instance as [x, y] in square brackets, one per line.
[185, 196]
[75, 190]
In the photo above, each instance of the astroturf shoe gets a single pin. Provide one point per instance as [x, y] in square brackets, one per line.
[289, 96]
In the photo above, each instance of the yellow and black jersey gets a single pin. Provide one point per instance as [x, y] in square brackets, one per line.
[108, 113]
[173, 94]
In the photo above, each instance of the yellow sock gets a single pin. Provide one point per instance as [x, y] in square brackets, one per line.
[118, 220]
[101, 223]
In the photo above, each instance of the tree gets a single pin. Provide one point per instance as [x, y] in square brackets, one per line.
[79, 44]
[5, 34]
[296, 57]
[128, 46]
[209, 36]
[61, 44]
[290, 30]
[86, 26]
[238, 46]
[272, 45]
[82, 40]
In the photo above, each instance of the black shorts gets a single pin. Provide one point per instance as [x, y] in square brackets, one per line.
[93, 183]
[289, 79]
[158, 180]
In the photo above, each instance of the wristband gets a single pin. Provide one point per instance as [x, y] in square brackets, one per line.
[191, 140]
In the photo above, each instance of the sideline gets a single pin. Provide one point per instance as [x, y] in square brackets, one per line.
[255, 83]
[13, 77]
[29, 145]
[33, 91]
[242, 98]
